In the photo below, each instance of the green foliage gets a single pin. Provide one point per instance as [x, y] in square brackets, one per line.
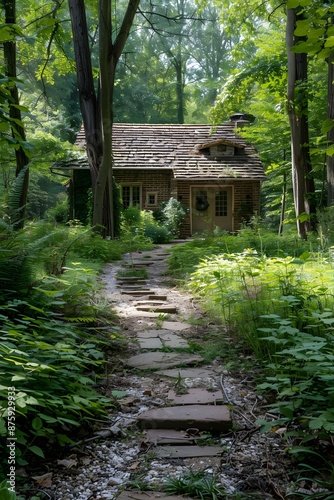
[16, 273]
[60, 212]
[46, 353]
[91, 246]
[281, 309]
[5, 494]
[132, 272]
[139, 225]
[195, 484]
[131, 217]
[316, 470]
[50, 364]
[14, 197]
[185, 257]
[157, 233]
[171, 214]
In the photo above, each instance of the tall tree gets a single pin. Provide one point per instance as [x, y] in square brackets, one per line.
[17, 127]
[96, 107]
[298, 119]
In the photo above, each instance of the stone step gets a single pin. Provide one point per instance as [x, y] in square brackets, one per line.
[137, 263]
[201, 417]
[183, 451]
[130, 279]
[155, 360]
[135, 286]
[136, 292]
[157, 297]
[175, 325]
[167, 338]
[168, 436]
[158, 309]
[196, 396]
[194, 373]
[149, 303]
[148, 495]
[150, 343]
[173, 340]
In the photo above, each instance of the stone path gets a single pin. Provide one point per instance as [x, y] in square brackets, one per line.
[172, 430]
[173, 412]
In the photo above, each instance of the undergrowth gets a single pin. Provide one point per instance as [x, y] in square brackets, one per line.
[277, 300]
[55, 331]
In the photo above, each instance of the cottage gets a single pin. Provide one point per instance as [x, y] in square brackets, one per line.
[209, 169]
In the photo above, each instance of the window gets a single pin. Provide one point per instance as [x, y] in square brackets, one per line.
[131, 196]
[221, 204]
[151, 199]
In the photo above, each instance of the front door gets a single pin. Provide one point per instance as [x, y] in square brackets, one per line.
[211, 207]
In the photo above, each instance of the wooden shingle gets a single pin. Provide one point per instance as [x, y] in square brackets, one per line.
[181, 149]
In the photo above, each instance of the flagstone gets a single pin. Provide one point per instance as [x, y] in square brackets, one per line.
[168, 436]
[175, 325]
[173, 340]
[158, 308]
[150, 343]
[181, 451]
[201, 417]
[188, 373]
[148, 495]
[156, 360]
[196, 396]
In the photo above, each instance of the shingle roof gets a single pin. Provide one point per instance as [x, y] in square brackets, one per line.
[180, 148]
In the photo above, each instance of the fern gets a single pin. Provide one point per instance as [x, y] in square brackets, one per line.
[14, 197]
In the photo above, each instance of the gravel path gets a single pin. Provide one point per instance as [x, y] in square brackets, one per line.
[251, 462]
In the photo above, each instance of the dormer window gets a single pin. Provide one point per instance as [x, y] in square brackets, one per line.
[218, 149]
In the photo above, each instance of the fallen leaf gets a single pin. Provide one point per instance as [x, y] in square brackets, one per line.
[45, 480]
[133, 466]
[68, 463]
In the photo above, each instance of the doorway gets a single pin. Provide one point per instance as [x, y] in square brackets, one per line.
[211, 207]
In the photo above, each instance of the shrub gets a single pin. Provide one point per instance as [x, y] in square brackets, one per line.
[59, 213]
[171, 214]
[48, 363]
[157, 233]
[131, 217]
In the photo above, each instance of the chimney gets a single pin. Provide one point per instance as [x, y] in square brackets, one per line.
[242, 119]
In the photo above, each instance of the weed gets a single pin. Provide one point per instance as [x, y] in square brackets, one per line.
[132, 273]
[195, 484]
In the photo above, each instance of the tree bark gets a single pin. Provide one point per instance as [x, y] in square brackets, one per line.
[330, 134]
[302, 181]
[18, 131]
[97, 112]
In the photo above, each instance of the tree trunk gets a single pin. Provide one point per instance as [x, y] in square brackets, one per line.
[97, 113]
[18, 131]
[179, 83]
[330, 135]
[87, 96]
[302, 181]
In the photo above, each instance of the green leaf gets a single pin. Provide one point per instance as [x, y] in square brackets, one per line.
[327, 125]
[37, 450]
[315, 423]
[5, 494]
[119, 394]
[37, 423]
[292, 4]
